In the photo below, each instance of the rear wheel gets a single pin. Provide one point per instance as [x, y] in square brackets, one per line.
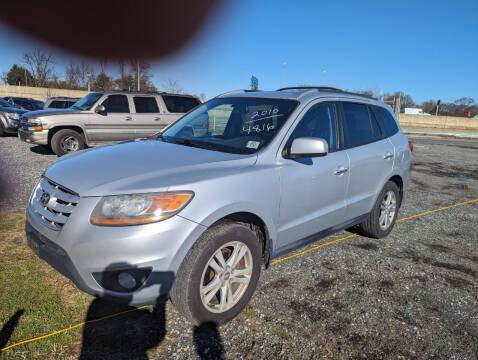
[2, 132]
[65, 141]
[218, 275]
[384, 213]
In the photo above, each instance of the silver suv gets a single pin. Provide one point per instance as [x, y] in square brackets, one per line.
[102, 117]
[194, 212]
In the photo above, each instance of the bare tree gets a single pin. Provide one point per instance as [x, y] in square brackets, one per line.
[72, 77]
[172, 86]
[41, 66]
[77, 75]
[142, 69]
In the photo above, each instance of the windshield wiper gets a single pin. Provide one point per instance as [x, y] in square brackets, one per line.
[156, 136]
[192, 143]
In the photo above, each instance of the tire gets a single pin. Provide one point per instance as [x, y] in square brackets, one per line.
[64, 139]
[372, 226]
[2, 132]
[195, 273]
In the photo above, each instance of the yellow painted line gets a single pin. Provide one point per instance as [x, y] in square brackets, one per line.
[312, 249]
[272, 263]
[353, 235]
[437, 210]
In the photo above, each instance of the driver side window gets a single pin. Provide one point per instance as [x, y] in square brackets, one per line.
[318, 122]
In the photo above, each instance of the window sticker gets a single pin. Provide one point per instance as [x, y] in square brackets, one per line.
[253, 144]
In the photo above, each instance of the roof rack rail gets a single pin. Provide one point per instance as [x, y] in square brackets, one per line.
[238, 91]
[325, 89]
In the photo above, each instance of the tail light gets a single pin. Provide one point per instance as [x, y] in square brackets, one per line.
[410, 145]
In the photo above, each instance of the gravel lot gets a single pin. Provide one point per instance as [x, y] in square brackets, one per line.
[411, 295]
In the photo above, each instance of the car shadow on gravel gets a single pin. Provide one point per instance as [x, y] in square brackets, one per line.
[42, 150]
[119, 331]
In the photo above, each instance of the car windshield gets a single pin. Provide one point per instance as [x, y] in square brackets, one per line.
[86, 102]
[234, 125]
[4, 103]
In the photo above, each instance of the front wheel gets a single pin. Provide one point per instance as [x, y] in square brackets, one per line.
[218, 275]
[384, 213]
[65, 141]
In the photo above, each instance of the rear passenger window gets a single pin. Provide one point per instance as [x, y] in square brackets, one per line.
[116, 104]
[145, 104]
[357, 123]
[389, 125]
[180, 104]
[318, 122]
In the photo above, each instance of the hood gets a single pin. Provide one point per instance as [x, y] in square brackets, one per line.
[12, 110]
[140, 167]
[49, 112]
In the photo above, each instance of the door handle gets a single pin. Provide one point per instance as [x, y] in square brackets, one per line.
[341, 170]
[157, 118]
[129, 118]
[388, 155]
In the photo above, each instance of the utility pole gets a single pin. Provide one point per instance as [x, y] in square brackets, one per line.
[88, 74]
[137, 70]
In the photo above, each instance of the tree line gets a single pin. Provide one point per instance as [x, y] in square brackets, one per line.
[37, 68]
[465, 106]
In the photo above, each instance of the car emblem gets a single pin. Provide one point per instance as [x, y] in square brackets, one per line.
[45, 198]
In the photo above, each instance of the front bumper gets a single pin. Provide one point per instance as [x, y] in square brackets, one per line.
[10, 126]
[79, 250]
[33, 137]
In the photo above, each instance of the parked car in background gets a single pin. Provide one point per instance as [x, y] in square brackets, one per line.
[59, 102]
[195, 215]
[25, 103]
[102, 117]
[9, 118]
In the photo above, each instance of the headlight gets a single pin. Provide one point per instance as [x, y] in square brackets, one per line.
[32, 125]
[35, 127]
[13, 116]
[122, 210]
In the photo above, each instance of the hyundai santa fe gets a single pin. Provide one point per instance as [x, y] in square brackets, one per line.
[194, 212]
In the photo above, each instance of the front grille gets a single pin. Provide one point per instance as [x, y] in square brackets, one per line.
[52, 203]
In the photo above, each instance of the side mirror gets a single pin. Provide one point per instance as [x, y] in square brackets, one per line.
[100, 109]
[308, 147]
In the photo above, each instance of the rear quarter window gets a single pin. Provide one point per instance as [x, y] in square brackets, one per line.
[389, 125]
[180, 104]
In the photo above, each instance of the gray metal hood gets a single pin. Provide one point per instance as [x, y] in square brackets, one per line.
[141, 167]
[48, 112]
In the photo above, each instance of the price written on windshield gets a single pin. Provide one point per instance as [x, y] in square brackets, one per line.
[257, 128]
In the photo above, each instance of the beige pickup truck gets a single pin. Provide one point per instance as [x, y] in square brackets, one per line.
[102, 117]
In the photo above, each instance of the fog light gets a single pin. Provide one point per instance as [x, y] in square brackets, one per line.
[126, 280]
[122, 280]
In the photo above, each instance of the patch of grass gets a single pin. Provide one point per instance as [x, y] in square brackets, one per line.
[249, 312]
[48, 300]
